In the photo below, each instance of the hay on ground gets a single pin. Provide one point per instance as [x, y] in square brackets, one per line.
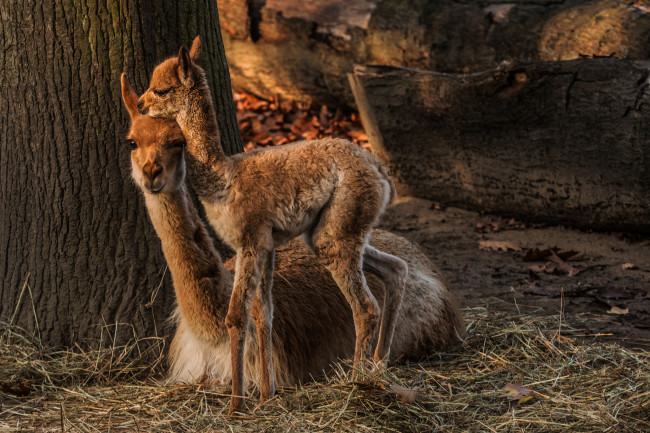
[514, 373]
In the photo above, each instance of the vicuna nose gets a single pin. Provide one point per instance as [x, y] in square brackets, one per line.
[140, 105]
[152, 171]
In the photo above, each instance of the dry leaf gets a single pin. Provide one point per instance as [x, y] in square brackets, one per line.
[21, 389]
[367, 387]
[563, 266]
[272, 123]
[357, 134]
[487, 228]
[537, 255]
[406, 395]
[497, 246]
[629, 266]
[515, 391]
[537, 268]
[617, 310]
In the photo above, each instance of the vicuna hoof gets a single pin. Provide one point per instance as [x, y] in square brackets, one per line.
[237, 404]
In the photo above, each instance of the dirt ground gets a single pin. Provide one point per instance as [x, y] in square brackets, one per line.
[611, 288]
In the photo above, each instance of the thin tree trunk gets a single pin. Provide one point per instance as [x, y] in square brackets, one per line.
[72, 224]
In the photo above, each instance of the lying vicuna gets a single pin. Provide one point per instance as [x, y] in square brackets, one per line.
[329, 191]
[313, 327]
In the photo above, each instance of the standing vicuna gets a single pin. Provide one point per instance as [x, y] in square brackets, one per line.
[313, 327]
[330, 191]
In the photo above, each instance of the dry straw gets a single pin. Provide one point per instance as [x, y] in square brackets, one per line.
[571, 385]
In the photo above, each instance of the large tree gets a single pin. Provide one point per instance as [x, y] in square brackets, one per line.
[72, 225]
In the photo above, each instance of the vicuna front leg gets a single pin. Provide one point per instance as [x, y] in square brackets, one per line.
[263, 317]
[248, 273]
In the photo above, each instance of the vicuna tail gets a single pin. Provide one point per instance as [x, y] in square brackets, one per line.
[383, 170]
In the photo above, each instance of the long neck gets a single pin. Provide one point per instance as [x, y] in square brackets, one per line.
[205, 157]
[201, 283]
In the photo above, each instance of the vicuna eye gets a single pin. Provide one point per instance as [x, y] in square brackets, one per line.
[179, 144]
[161, 93]
[132, 144]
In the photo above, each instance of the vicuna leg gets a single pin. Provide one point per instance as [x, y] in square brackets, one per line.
[343, 260]
[248, 273]
[393, 271]
[263, 316]
[338, 241]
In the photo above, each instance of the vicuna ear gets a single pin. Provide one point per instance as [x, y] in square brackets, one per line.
[183, 65]
[195, 51]
[129, 97]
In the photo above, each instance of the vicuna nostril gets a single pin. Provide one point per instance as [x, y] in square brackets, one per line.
[152, 171]
[140, 105]
[156, 172]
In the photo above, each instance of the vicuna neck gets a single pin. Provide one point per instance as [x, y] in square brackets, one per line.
[205, 157]
[201, 283]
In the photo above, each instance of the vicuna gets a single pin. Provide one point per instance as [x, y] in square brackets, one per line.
[313, 327]
[329, 191]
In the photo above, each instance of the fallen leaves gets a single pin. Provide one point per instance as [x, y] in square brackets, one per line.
[556, 256]
[619, 311]
[21, 389]
[495, 226]
[499, 224]
[563, 266]
[406, 395]
[498, 246]
[272, 123]
[537, 255]
[612, 297]
[619, 301]
[515, 391]
[367, 387]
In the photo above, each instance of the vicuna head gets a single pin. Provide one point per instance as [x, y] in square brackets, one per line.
[171, 83]
[158, 164]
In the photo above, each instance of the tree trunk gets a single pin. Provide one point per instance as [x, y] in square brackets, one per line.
[73, 227]
[563, 142]
[303, 49]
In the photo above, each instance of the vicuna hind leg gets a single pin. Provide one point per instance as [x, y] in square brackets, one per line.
[263, 317]
[339, 239]
[248, 273]
[342, 257]
[393, 271]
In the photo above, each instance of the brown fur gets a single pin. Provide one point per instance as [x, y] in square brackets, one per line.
[330, 191]
[313, 327]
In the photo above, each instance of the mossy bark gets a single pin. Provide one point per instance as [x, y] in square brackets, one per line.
[72, 224]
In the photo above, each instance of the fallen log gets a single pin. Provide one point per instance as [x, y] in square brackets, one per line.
[562, 142]
[303, 49]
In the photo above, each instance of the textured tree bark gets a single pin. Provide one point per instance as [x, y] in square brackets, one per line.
[70, 218]
[564, 142]
[303, 49]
